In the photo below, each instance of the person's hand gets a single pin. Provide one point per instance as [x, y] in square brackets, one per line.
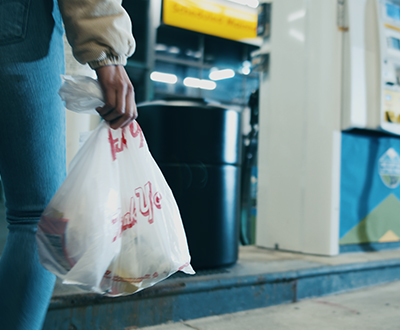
[120, 106]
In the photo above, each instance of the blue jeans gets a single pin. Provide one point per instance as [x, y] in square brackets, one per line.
[32, 151]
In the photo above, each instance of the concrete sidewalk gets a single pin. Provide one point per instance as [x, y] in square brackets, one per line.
[261, 278]
[374, 308]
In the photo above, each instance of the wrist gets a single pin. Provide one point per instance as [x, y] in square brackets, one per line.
[112, 60]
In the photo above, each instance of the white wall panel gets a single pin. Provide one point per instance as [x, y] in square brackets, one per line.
[300, 111]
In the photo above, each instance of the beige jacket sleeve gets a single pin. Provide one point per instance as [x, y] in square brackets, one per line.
[99, 31]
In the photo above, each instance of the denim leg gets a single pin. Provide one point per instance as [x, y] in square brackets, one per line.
[32, 151]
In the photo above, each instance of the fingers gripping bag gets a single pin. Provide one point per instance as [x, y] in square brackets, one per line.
[113, 227]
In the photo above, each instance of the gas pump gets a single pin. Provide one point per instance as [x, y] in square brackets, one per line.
[329, 164]
[369, 205]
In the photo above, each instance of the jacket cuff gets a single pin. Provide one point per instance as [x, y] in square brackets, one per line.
[110, 60]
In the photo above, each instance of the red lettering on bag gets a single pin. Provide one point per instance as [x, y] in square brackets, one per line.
[116, 219]
[130, 218]
[115, 148]
[136, 131]
[145, 201]
[119, 144]
[119, 229]
[184, 266]
[112, 144]
[157, 200]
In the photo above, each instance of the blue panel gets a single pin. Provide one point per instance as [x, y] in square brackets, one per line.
[361, 187]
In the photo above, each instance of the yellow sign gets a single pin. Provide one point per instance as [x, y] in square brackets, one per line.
[210, 18]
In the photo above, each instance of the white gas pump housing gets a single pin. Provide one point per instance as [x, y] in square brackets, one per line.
[300, 121]
[334, 66]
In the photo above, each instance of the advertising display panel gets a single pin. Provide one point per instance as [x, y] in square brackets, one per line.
[389, 35]
[211, 17]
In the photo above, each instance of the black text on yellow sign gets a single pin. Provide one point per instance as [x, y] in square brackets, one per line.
[210, 18]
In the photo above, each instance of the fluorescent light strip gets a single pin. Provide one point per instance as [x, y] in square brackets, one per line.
[164, 77]
[222, 74]
[199, 83]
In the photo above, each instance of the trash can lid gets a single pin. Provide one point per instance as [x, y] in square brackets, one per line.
[190, 131]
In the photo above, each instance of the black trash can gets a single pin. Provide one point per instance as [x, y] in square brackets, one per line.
[198, 148]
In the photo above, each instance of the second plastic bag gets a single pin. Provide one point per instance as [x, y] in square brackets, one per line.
[113, 227]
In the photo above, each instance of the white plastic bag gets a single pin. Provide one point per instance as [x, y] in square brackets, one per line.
[113, 227]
